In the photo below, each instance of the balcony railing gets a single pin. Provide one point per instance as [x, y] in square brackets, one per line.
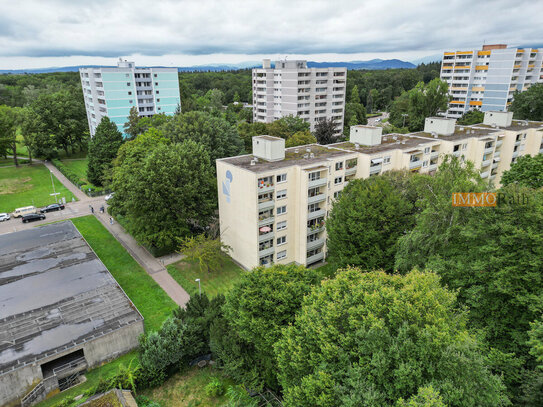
[316, 214]
[350, 171]
[316, 198]
[315, 244]
[484, 174]
[264, 188]
[489, 150]
[485, 163]
[266, 204]
[265, 236]
[315, 258]
[265, 221]
[375, 169]
[499, 143]
[311, 230]
[266, 252]
[317, 182]
[415, 164]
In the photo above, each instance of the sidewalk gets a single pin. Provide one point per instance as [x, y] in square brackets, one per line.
[66, 182]
[153, 266]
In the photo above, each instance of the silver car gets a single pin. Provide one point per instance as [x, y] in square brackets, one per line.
[4, 216]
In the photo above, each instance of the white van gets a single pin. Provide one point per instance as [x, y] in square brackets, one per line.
[24, 211]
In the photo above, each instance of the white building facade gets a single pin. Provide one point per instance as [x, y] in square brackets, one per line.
[293, 89]
[487, 79]
[113, 92]
[273, 204]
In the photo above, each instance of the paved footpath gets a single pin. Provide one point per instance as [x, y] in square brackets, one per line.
[153, 266]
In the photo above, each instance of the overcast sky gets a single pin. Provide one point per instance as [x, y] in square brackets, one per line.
[45, 33]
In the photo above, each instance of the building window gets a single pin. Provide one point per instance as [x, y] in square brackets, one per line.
[427, 150]
[130, 101]
[281, 178]
[281, 194]
[336, 194]
[158, 100]
[339, 166]
[338, 180]
[127, 83]
[464, 146]
[156, 83]
[157, 92]
[424, 164]
[126, 75]
[159, 108]
[282, 225]
[155, 75]
[129, 93]
[281, 210]
[281, 255]
[281, 240]
[386, 160]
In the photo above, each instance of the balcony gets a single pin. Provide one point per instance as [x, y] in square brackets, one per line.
[497, 154]
[315, 244]
[316, 229]
[266, 252]
[517, 143]
[484, 174]
[265, 236]
[494, 166]
[489, 150]
[432, 167]
[317, 182]
[485, 163]
[415, 164]
[515, 154]
[265, 188]
[316, 198]
[316, 214]
[457, 153]
[315, 258]
[266, 221]
[499, 143]
[434, 154]
[267, 204]
[374, 169]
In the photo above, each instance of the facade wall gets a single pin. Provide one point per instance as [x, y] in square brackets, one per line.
[313, 94]
[487, 79]
[113, 92]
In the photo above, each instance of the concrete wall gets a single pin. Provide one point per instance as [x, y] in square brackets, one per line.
[16, 384]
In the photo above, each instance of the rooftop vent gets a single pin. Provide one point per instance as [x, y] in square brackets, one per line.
[385, 138]
[297, 150]
[403, 141]
[311, 155]
[308, 150]
[434, 134]
[255, 159]
[462, 128]
[306, 156]
[253, 162]
[356, 146]
[394, 137]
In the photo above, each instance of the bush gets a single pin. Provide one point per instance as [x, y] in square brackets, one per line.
[72, 176]
[214, 388]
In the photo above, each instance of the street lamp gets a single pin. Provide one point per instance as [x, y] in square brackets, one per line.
[404, 115]
[199, 286]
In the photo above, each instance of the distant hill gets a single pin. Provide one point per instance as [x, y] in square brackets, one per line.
[373, 64]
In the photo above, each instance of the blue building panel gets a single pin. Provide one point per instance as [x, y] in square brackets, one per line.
[120, 111]
[167, 93]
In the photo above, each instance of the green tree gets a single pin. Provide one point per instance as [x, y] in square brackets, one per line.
[325, 132]
[354, 114]
[366, 222]
[9, 119]
[208, 252]
[103, 149]
[287, 126]
[426, 397]
[166, 195]
[300, 138]
[419, 103]
[526, 171]
[437, 220]
[471, 117]
[355, 96]
[219, 137]
[131, 126]
[528, 105]
[536, 341]
[248, 130]
[257, 308]
[370, 339]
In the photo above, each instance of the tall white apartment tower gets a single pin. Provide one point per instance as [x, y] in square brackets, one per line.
[293, 89]
[487, 79]
[113, 92]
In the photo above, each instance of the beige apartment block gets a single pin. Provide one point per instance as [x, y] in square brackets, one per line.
[487, 79]
[273, 203]
[293, 89]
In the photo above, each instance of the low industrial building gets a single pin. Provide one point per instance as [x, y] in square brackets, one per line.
[61, 312]
[273, 203]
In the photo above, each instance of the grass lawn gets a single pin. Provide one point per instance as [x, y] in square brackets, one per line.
[148, 297]
[218, 282]
[7, 162]
[79, 167]
[187, 389]
[28, 185]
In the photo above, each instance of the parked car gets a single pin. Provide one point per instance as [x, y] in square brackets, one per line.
[31, 217]
[4, 216]
[52, 207]
[109, 196]
[25, 210]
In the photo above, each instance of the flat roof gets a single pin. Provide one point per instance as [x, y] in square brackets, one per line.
[55, 293]
[388, 142]
[293, 156]
[516, 125]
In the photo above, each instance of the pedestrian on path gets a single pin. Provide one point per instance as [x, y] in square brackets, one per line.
[102, 209]
[92, 209]
[110, 220]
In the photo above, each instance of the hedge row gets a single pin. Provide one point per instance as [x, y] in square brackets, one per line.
[88, 189]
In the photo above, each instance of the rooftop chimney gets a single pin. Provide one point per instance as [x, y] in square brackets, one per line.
[366, 135]
[269, 148]
[266, 63]
[439, 125]
[499, 119]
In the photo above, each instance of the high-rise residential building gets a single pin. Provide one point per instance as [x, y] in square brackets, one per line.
[487, 79]
[293, 89]
[273, 203]
[112, 92]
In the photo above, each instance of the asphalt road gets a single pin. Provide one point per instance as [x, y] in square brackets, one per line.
[372, 121]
